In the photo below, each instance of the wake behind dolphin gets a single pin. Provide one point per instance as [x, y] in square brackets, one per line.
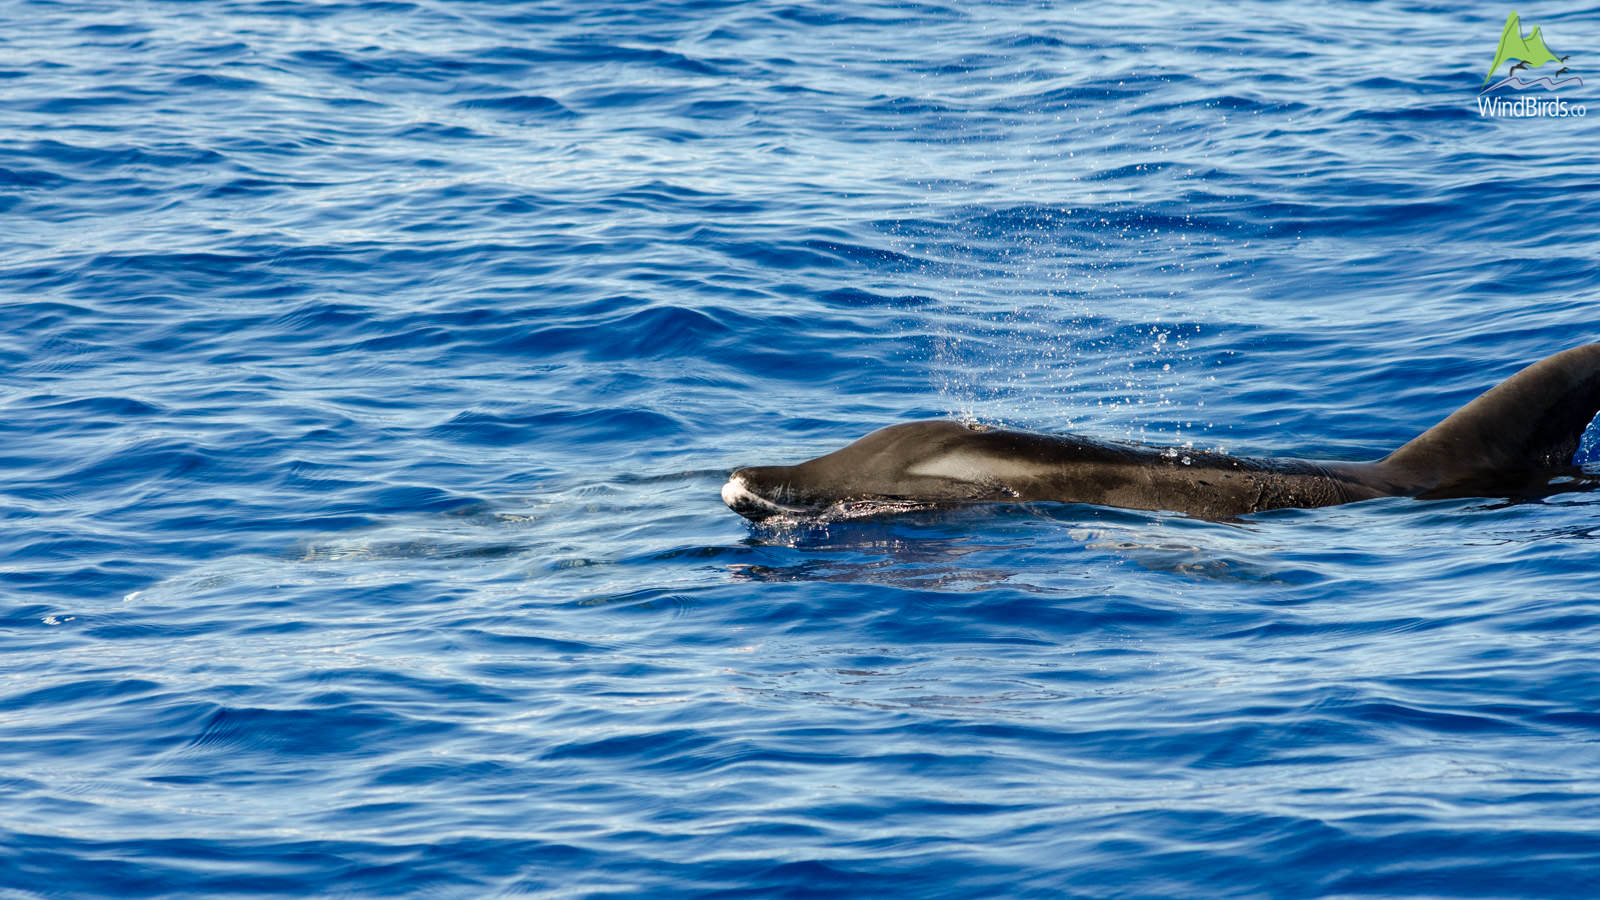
[1511, 440]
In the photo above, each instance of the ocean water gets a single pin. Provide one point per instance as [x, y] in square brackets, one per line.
[369, 371]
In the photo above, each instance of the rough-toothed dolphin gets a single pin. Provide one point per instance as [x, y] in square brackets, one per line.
[1509, 441]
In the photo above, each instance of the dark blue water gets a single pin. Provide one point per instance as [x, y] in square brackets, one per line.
[370, 370]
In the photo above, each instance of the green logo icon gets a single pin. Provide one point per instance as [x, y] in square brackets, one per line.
[1529, 51]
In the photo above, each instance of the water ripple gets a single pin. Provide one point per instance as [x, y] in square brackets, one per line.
[371, 369]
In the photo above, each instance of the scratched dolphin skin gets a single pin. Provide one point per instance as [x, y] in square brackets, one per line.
[1511, 441]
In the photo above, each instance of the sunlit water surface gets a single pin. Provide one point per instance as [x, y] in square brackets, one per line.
[369, 371]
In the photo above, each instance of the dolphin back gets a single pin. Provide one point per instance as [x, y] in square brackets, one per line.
[1531, 421]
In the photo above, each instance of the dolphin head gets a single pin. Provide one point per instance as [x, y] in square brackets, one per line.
[895, 468]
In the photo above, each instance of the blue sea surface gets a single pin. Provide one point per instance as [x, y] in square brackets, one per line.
[369, 371]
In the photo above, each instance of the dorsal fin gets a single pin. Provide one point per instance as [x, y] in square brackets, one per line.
[1532, 420]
